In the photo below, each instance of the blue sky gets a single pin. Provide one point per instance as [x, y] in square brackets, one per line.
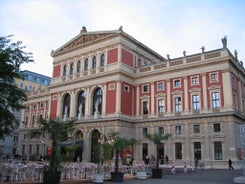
[166, 26]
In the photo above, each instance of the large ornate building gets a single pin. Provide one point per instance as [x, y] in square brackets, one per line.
[111, 81]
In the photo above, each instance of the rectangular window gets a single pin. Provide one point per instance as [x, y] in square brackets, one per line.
[215, 100]
[178, 129]
[160, 86]
[177, 83]
[144, 132]
[33, 120]
[26, 121]
[30, 149]
[195, 102]
[161, 130]
[37, 149]
[214, 77]
[196, 129]
[144, 150]
[216, 127]
[197, 150]
[23, 149]
[161, 106]
[218, 155]
[145, 88]
[177, 104]
[145, 108]
[178, 151]
[194, 80]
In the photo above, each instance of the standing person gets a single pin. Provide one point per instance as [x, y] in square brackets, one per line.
[166, 159]
[230, 164]
[196, 162]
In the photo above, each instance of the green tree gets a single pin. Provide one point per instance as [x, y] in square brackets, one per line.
[12, 56]
[157, 140]
[56, 130]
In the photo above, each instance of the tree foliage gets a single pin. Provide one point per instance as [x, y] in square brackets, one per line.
[118, 144]
[157, 140]
[55, 130]
[12, 56]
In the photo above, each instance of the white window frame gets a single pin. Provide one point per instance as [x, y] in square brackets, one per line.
[196, 105]
[215, 102]
[145, 101]
[126, 88]
[162, 85]
[177, 83]
[179, 109]
[163, 106]
[143, 87]
[196, 81]
[178, 129]
[214, 79]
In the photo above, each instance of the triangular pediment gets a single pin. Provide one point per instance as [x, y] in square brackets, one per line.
[83, 39]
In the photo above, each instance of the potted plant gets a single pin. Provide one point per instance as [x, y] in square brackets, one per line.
[117, 145]
[157, 140]
[102, 148]
[56, 130]
[141, 172]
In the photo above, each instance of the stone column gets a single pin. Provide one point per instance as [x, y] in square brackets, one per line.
[186, 95]
[227, 89]
[119, 54]
[152, 99]
[87, 103]
[72, 104]
[168, 97]
[205, 95]
[104, 100]
[137, 100]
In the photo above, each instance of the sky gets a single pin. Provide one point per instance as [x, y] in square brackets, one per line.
[165, 26]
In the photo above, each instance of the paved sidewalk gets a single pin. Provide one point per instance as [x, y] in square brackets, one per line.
[207, 176]
[202, 176]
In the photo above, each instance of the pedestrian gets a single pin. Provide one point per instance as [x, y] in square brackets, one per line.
[196, 162]
[166, 159]
[230, 164]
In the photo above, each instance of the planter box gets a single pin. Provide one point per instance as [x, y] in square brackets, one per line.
[117, 176]
[54, 179]
[98, 178]
[156, 173]
[141, 175]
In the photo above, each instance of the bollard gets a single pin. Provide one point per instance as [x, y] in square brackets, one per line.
[173, 168]
[185, 167]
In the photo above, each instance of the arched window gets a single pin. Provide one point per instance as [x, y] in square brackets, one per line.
[97, 101]
[81, 103]
[64, 70]
[102, 60]
[79, 135]
[66, 105]
[78, 66]
[94, 146]
[71, 68]
[86, 64]
[94, 62]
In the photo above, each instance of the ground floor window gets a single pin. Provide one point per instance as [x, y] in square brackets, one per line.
[197, 150]
[178, 151]
[144, 150]
[218, 155]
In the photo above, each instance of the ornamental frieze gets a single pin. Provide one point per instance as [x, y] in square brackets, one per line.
[84, 39]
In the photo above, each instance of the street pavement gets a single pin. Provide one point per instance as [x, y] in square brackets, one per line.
[204, 176]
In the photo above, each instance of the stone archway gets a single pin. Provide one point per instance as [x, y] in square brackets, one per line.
[79, 151]
[95, 146]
